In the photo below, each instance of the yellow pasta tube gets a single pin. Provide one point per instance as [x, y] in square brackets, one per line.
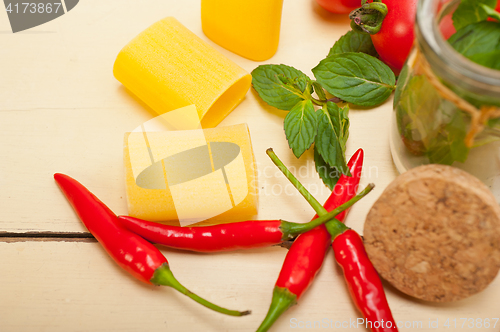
[168, 67]
[191, 176]
[250, 28]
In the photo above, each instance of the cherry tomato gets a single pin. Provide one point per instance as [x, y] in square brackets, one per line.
[339, 6]
[395, 39]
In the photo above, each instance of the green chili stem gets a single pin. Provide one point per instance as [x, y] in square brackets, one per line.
[320, 210]
[335, 228]
[291, 229]
[282, 300]
[163, 276]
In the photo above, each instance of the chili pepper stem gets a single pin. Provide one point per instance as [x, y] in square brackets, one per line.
[291, 229]
[320, 210]
[163, 276]
[282, 300]
[335, 228]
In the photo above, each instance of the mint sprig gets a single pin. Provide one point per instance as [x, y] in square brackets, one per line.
[333, 132]
[330, 175]
[479, 42]
[449, 146]
[349, 73]
[471, 11]
[354, 41]
[357, 78]
[301, 126]
[492, 13]
[280, 86]
[476, 38]
[319, 90]
[487, 59]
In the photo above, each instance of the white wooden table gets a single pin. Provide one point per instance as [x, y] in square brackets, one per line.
[61, 110]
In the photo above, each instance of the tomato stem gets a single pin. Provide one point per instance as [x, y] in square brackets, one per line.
[369, 17]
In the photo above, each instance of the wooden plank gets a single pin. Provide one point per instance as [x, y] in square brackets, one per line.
[63, 111]
[73, 286]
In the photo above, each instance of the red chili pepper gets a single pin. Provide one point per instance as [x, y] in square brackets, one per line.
[363, 281]
[224, 237]
[134, 254]
[238, 235]
[306, 255]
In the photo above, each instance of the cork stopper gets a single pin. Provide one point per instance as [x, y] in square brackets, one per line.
[434, 234]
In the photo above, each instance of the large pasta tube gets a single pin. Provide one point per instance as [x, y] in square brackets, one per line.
[250, 28]
[168, 67]
[191, 176]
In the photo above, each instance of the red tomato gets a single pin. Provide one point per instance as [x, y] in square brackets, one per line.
[339, 6]
[395, 39]
[446, 26]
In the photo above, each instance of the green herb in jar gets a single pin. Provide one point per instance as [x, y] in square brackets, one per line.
[478, 35]
[441, 120]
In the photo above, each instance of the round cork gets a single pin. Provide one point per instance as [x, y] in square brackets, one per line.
[434, 234]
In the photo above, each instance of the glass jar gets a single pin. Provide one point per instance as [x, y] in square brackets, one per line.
[446, 107]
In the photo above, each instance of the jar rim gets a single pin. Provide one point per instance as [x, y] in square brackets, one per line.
[428, 32]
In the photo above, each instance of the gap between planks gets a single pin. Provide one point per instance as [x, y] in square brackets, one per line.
[10, 237]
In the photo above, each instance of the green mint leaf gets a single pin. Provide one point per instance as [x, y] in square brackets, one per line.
[470, 11]
[299, 83]
[285, 80]
[417, 114]
[333, 131]
[280, 86]
[449, 146]
[490, 12]
[402, 80]
[343, 121]
[482, 37]
[354, 42]
[330, 175]
[490, 59]
[357, 78]
[319, 90]
[300, 127]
